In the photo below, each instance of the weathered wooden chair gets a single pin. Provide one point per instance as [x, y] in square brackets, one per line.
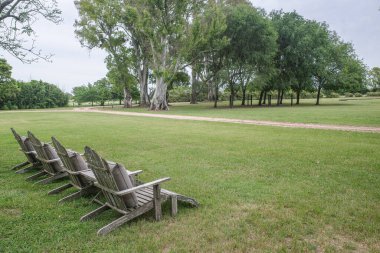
[73, 164]
[120, 193]
[51, 164]
[27, 149]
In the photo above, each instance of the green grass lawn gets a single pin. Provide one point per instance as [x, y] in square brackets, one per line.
[359, 112]
[261, 189]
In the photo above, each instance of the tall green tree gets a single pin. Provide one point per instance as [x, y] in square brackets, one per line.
[205, 48]
[251, 49]
[103, 88]
[294, 56]
[38, 94]
[100, 26]
[374, 78]
[336, 65]
[164, 25]
[17, 36]
[8, 87]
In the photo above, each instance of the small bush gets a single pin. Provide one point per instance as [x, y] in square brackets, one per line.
[332, 95]
[373, 94]
[348, 95]
[180, 94]
[306, 94]
[358, 95]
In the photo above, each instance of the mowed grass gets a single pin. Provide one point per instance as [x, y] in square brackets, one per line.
[357, 111]
[261, 189]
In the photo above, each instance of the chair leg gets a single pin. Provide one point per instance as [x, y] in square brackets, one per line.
[157, 202]
[75, 195]
[27, 169]
[52, 178]
[60, 189]
[82, 192]
[94, 213]
[35, 176]
[125, 218]
[95, 199]
[174, 206]
[20, 165]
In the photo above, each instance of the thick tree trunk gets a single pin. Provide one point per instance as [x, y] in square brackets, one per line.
[211, 92]
[282, 97]
[194, 83]
[298, 97]
[318, 95]
[278, 97]
[159, 101]
[261, 97]
[265, 97]
[216, 97]
[232, 98]
[243, 99]
[127, 98]
[143, 80]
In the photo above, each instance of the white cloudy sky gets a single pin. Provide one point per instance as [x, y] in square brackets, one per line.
[355, 21]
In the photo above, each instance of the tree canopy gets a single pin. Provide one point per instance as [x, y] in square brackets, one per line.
[17, 35]
[229, 46]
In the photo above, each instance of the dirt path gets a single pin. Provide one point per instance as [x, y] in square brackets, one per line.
[239, 121]
[363, 129]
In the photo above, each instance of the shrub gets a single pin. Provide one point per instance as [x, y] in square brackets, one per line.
[332, 95]
[348, 95]
[373, 94]
[180, 94]
[357, 94]
[306, 94]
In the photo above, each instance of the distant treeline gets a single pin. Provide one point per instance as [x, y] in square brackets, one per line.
[28, 95]
[205, 50]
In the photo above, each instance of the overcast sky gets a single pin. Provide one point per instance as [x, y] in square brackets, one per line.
[355, 21]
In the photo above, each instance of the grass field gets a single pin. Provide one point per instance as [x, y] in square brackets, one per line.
[358, 112]
[261, 189]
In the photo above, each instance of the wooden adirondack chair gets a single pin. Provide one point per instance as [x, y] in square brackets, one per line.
[120, 193]
[73, 164]
[27, 149]
[51, 164]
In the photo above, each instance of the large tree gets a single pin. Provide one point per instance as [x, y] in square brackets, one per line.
[8, 87]
[164, 25]
[294, 56]
[205, 49]
[251, 49]
[16, 26]
[111, 26]
[374, 78]
[335, 63]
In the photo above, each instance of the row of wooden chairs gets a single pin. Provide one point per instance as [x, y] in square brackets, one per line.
[113, 186]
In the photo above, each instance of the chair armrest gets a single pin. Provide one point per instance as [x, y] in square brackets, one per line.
[135, 173]
[48, 161]
[29, 152]
[125, 192]
[156, 182]
[74, 172]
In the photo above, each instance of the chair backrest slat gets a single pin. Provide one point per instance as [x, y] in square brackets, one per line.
[68, 164]
[29, 156]
[41, 153]
[103, 174]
